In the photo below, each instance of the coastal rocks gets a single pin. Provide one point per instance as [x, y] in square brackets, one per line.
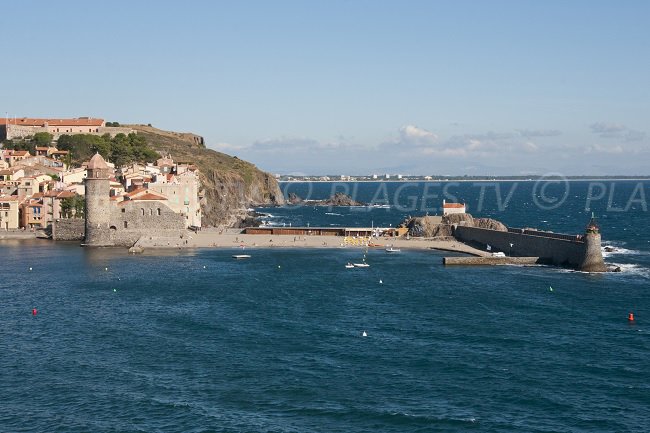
[463, 219]
[338, 199]
[250, 219]
[136, 249]
[436, 226]
[491, 224]
[294, 199]
[427, 226]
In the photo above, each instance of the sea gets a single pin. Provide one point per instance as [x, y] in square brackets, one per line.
[96, 340]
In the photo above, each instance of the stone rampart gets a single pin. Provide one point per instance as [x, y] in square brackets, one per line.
[68, 229]
[132, 220]
[22, 131]
[552, 250]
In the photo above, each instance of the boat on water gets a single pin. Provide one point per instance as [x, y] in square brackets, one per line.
[392, 250]
[361, 265]
[349, 266]
[241, 256]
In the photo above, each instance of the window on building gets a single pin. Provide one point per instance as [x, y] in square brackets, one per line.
[142, 211]
[150, 211]
[123, 210]
[126, 224]
[158, 211]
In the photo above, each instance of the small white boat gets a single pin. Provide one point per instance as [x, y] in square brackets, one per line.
[349, 266]
[392, 250]
[241, 256]
[361, 265]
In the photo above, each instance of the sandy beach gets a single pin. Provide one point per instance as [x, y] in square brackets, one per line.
[232, 239]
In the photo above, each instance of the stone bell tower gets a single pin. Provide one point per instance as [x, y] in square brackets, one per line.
[97, 202]
[593, 258]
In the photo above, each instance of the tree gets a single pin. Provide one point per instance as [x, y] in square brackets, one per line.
[67, 205]
[42, 139]
[73, 207]
[79, 206]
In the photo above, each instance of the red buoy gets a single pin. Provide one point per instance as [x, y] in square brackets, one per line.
[630, 317]
[34, 311]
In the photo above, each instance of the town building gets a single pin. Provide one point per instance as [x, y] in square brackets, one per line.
[9, 213]
[452, 208]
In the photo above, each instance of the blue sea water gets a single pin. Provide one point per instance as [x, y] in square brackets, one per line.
[195, 341]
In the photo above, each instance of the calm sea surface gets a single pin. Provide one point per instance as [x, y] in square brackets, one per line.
[194, 341]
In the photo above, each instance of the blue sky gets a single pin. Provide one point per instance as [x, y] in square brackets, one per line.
[413, 87]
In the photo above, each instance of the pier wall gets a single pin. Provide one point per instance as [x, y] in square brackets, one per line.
[482, 261]
[558, 250]
[68, 229]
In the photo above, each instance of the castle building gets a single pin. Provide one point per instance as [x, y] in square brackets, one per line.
[27, 127]
[110, 223]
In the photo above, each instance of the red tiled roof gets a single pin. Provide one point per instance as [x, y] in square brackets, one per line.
[9, 198]
[454, 205]
[136, 192]
[25, 121]
[149, 196]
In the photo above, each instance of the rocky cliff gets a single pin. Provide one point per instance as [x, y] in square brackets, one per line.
[229, 185]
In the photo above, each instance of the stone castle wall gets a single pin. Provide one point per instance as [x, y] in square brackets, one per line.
[22, 131]
[132, 220]
[98, 207]
[68, 229]
[562, 252]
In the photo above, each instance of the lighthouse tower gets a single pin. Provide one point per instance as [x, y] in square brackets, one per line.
[593, 256]
[97, 202]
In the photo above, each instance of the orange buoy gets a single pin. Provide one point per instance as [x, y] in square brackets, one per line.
[630, 317]
[34, 311]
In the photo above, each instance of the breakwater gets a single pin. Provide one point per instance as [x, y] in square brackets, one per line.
[481, 261]
[581, 252]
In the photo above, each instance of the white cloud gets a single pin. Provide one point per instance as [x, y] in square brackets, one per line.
[227, 147]
[414, 136]
[533, 133]
[616, 130]
[607, 128]
[599, 148]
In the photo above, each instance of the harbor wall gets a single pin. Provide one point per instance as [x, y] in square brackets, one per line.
[68, 229]
[481, 261]
[561, 250]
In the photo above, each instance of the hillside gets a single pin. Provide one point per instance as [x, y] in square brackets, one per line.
[229, 184]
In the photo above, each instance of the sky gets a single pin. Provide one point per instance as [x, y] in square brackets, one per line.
[351, 87]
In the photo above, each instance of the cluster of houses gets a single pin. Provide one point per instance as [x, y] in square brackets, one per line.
[33, 187]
